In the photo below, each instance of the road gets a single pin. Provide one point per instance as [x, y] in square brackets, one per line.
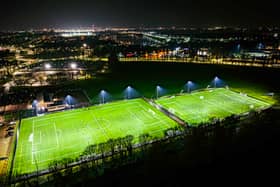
[225, 61]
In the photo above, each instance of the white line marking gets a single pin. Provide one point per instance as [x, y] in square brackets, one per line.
[56, 134]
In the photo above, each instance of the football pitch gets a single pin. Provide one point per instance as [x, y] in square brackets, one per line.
[202, 106]
[66, 134]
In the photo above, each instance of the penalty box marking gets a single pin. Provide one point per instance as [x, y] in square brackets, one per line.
[144, 111]
[120, 105]
[100, 126]
[49, 149]
[248, 99]
[60, 115]
[152, 116]
[110, 125]
[215, 105]
[57, 157]
[33, 151]
[183, 107]
[244, 100]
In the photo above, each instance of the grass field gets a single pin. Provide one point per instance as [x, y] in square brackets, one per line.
[67, 134]
[202, 106]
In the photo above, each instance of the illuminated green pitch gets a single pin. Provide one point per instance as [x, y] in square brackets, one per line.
[66, 134]
[202, 106]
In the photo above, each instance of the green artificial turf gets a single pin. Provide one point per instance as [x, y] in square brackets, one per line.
[202, 106]
[66, 134]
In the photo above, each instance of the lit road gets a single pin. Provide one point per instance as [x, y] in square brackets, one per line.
[225, 61]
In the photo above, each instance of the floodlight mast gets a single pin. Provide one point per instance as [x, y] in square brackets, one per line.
[189, 87]
[215, 82]
[128, 92]
[103, 96]
[157, 90]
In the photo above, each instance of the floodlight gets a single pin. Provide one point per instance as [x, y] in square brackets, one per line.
[128, 90]
[102, 94]
[157, 90]
[216, 79]
[189, 85]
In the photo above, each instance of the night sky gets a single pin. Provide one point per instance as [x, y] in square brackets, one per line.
[26, 14]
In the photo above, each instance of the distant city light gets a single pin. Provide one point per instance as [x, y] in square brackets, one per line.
[76, 33]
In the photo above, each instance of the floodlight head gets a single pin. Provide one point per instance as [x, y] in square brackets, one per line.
[84, 45]
[189, 82]
[102, 91]
[69, 100]
[34, 103]
[129, 87]
[216, 78]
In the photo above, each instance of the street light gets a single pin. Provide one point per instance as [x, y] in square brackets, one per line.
[73, 65]
[48, 66]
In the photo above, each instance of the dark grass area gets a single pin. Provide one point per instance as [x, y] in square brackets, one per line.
[172, 77]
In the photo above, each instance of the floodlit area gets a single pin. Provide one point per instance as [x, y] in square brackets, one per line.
[203, 106]
[67, 134]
